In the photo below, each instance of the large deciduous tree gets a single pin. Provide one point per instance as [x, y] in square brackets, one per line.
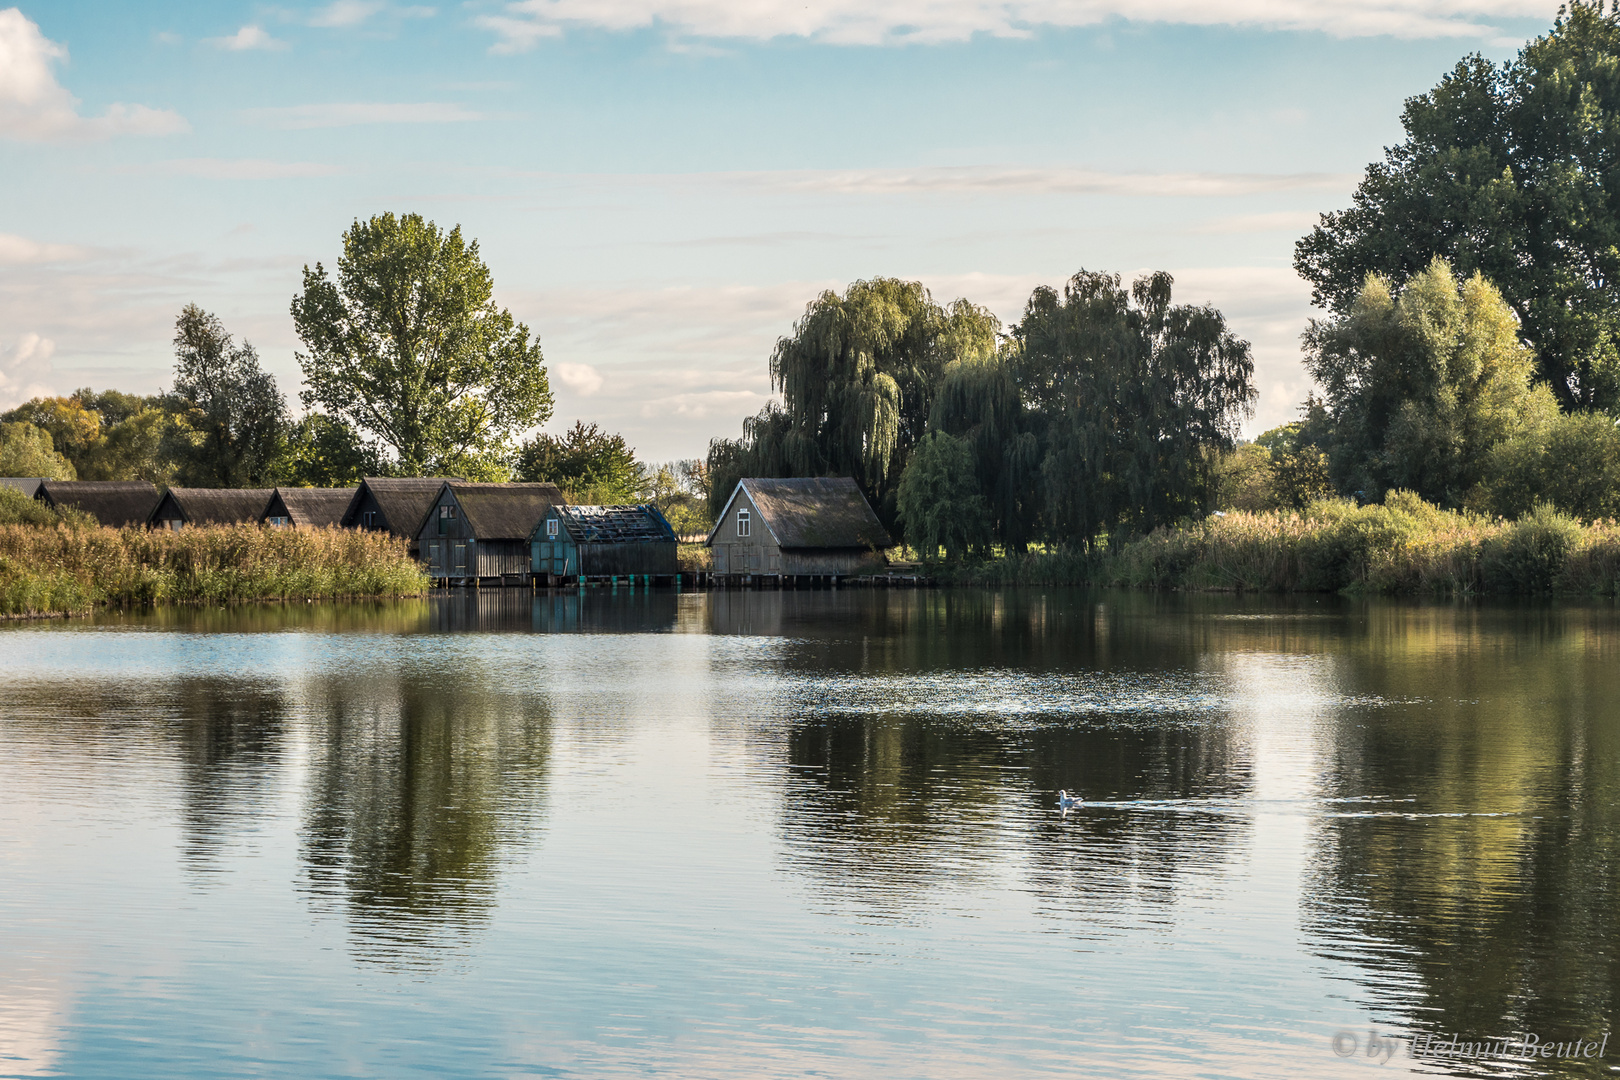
[232, 421]
[1137, 397]
[1420, 384]
[1513, 171]
[408, 345]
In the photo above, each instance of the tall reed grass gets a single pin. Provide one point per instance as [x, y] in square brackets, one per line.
[1403, 546]
[64, 569]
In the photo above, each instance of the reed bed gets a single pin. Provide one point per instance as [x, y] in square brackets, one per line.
[64, 569]
[1402, 547]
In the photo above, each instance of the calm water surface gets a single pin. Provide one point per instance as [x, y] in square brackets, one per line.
[807, 834]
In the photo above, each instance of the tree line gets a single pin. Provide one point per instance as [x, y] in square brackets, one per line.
[409, 368]
[1469, 351]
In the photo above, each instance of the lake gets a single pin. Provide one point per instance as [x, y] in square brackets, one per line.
[811, 834]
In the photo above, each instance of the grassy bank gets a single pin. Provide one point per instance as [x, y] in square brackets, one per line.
[64, 569]
[1403, 547]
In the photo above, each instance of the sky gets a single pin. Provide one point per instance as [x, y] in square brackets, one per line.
[659, 187]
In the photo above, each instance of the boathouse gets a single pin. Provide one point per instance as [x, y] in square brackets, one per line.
[180, 507]
[111, 502]
[807, 526]
[578, 542]
[395, 504]
[479, 532]
[308, 508]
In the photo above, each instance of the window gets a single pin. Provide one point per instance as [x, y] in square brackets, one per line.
[278, 521]
[447, 514]
[551, 528]
[368, 520]
[744, 526]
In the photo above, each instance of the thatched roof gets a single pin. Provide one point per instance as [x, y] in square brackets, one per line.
[212, 506]
[310, 508]
[110, 502]
[28, 485]
[814, 512]
[613, 524]
[404, 501]
[505, 511]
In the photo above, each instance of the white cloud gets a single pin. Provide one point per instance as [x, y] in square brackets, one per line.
[860, 22]
[345, 13]
[37, 108]
[350, 114]
[517, 33]
[245, 168]
[247, 39]
[580, 378]
[21, 251]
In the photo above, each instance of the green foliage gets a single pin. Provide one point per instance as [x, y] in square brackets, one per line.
[26, 450]
[1136, 396]
[1420, 386]
[680, 491]
[978, 401]
[408, 346]
[18, 509]
[105, 436]
[590, 465]
[324, 452]
[940, 502]
[857, 379]
[231, 420]
[1505, 171]
[73, 429]
[1571, 462]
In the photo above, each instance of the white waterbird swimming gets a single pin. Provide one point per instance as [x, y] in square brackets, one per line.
[1065, 800]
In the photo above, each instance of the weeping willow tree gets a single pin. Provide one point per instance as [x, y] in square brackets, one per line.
[1136, 395]
[978, 403]
[857, 378]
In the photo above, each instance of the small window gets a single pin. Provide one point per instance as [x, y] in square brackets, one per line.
[368, 520]
[447, 514]
[551, 528]
[744, 526]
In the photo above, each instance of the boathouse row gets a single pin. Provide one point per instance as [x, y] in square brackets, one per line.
[583, 542]
[809, 526]
[482, 531]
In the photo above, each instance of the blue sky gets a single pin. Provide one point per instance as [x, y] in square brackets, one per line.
[660, 186]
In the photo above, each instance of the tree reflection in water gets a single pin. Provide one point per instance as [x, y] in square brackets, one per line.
[1500, 920]
[419, 783]
[935, 729]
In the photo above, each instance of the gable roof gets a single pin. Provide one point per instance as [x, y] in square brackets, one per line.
[28, 485]
[213, 506]
[309, 508]
[503, 511]
[110, 502]
[812, 512]
[403, 500]
[638, 524]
